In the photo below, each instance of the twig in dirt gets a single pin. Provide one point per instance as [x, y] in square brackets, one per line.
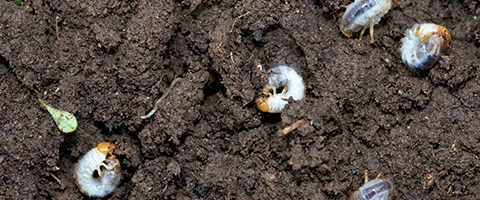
[56, 25]
[57, 179]
[231, 58]
[165, 188]
[235, 21]
[292, 127]
[161, 98]
[36, 39]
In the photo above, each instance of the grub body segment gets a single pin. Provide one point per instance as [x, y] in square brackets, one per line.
[278, 77]
[98, 172]
[363, 14]
[423, 45]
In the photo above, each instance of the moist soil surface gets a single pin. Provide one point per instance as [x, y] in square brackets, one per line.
[108, 62]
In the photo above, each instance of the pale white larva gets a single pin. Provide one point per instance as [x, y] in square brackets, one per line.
[101, 160]
[423, 44]
[376, 189]
[280, 76]
[363, 14]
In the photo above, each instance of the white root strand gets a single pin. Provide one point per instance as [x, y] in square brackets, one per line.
[155, 108]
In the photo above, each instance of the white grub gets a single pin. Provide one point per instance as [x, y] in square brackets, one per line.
[101, 160]
[363, 14]
[376, 189]
[280, 76]
[423, 44]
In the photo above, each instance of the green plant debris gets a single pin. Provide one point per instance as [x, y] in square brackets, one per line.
[65, 121]
[19, 2]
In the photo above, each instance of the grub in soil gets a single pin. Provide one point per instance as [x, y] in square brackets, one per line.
[108, 62]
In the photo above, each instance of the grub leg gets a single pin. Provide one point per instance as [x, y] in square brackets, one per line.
[273, 88]
[379, 175]
[365, 173]
[285, 89]
[371, 33]
[361, 33]
[100, 173]
[110, 168]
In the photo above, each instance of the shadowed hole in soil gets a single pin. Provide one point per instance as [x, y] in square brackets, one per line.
[271, 118]
[213, 90]
[213, 85]
[5, 68]
[3, 63]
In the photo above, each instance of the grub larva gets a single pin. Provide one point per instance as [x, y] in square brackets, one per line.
[280, 76]
[376, 189]
[108, 172]
[363, 14]
[423, 44]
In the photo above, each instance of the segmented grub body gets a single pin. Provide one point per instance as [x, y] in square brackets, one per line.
[376, 189]
[363, 14]
[98, 172]
[423, 44]
[280, 76]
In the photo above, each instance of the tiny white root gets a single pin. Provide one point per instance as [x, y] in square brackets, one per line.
[161, 98]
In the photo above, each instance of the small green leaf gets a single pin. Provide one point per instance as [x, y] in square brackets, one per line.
[19, 2]
[65, 121]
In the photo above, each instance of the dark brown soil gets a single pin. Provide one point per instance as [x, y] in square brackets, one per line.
[107, 62]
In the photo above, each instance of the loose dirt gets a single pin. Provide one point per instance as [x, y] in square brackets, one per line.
[107, 62]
